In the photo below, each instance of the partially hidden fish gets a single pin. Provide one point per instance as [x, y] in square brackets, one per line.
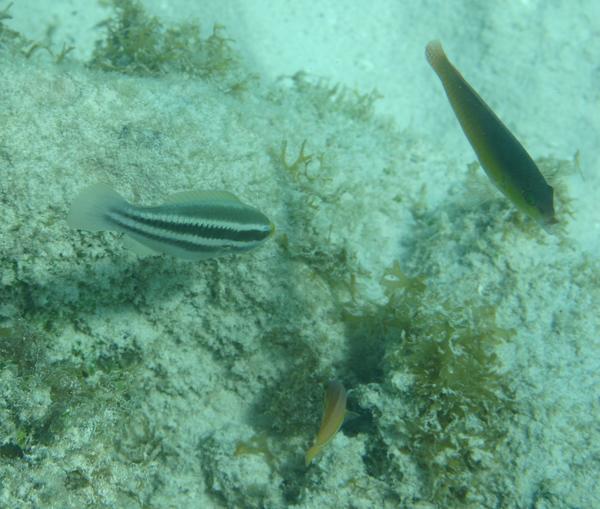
[333, 418]
[503, 158]
[193, 225]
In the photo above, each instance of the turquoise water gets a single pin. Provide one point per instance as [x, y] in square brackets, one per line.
[461, 334]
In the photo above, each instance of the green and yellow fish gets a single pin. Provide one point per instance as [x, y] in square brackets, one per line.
[503, 158]
[334, 413]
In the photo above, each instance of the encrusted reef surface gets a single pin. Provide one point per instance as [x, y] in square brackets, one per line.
[466, 336]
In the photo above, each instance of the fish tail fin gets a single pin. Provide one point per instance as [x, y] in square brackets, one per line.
[311, 454]
[435, 54]
[88, 210]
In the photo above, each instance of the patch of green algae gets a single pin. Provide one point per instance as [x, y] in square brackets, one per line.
[460, 400]
[456, 402]
[140, 45]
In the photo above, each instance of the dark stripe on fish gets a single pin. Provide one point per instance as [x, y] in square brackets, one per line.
[199, 225]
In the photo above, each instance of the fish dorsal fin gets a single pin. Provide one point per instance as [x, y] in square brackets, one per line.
[195, 196]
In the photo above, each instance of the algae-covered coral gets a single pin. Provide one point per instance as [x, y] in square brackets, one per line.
[151, 382]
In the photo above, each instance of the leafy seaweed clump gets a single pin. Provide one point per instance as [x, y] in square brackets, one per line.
[457, 402]
[138, 44]
[441, 374]
[326, 97]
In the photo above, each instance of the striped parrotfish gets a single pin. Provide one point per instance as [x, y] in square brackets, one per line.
[193, 224]
[503, 158]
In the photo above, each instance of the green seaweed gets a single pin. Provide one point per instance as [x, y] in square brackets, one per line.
[298, 166]
[10, 38]
[456, 403]
[23, 46]
[43, 396]
[138, 44]
[327, 98]
[458, 396]
[333, 264]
